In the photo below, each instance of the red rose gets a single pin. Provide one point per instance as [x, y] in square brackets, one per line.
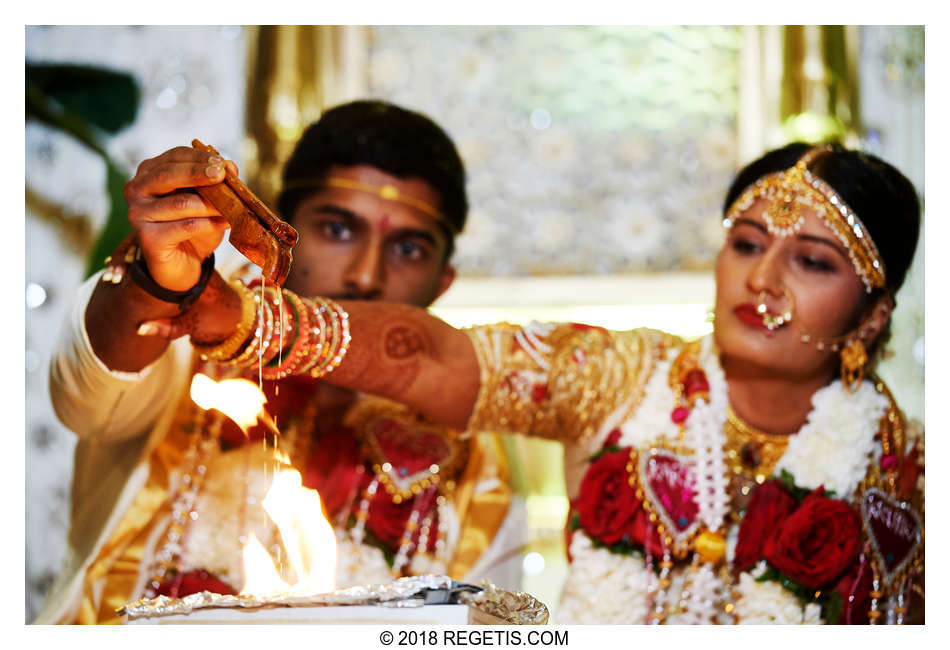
[817, 542]
[769, 505]
[607, 504]
[612, 438]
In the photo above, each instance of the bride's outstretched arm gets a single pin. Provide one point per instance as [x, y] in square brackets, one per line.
[408, 355]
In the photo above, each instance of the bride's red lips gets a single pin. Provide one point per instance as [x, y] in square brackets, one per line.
[747, 314]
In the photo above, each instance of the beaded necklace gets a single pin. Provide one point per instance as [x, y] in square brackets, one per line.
[710, 433]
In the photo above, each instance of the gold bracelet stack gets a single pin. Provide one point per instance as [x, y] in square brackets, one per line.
[263, 331]
[227, 348]
[289, 362]
[285, 333]
[320, 343]
[340, 343]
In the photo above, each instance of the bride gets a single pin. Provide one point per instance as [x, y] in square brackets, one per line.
[762, 474]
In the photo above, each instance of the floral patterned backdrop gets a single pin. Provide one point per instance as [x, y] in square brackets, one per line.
[589, 149]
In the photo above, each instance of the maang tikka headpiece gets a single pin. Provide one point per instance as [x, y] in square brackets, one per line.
[789, 191]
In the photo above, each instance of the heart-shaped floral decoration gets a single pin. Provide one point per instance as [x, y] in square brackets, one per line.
[669, 486]
[408, 454]
[894, 530]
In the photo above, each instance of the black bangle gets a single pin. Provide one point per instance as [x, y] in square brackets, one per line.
[140, 274]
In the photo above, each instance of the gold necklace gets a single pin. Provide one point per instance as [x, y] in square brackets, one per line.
[751, 453]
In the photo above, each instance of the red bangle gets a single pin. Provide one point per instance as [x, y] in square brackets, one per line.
[300, 342]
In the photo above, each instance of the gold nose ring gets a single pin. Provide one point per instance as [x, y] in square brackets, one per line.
[775, 321]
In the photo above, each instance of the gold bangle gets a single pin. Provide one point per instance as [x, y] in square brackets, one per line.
[244, 352]
[297, 354]
[320, 342]
[229, 347]
[275, 342]
[341, 340]
[265, 321]
[331, 336]
[269, 325]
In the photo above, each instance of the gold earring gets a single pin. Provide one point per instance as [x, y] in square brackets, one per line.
[853, 359]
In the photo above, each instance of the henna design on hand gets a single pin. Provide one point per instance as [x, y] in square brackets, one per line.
[401, 342]
[390, 365]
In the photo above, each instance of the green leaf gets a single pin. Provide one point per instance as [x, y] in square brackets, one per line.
[87, 103]
[45, 108]
[830, 601]
[371, 540]
[788, 482]
[831, 607]
[620, 548]
[609, 449]
[106, 99]
[770, 574]
[798, 590]
[575, 521]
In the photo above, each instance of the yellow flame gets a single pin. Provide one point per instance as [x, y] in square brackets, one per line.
[281, 458]
[307, 536]
[239, 399]
[260, 576]
[296, 510]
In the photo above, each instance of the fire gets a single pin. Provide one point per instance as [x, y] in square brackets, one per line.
[307, 536]
[260, 576]
[297, 511]
[239, 399]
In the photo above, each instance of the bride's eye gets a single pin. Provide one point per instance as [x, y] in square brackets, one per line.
[816, 264]
[745, 246]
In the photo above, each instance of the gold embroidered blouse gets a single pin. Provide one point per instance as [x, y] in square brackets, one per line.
[564, 382]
